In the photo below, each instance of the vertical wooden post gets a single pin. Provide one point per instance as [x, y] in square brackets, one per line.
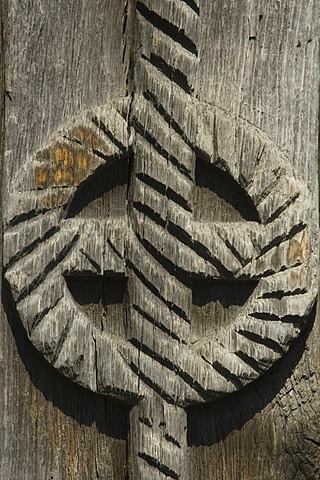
[160, 240]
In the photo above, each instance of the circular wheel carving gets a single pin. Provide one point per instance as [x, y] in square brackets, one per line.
[141, 259]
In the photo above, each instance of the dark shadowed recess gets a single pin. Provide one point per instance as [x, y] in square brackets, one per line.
[104, 193]
[219, 198]
[102, 297]
[216, 303]
[87, 408]
[211, 423]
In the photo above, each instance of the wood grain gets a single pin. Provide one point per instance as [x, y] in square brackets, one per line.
[124, 193]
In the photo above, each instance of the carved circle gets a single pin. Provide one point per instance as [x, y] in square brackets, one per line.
[135, 270]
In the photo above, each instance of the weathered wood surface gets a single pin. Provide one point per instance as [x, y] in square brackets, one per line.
[158, 227]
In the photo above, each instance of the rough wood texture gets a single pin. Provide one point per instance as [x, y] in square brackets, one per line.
[161, 249]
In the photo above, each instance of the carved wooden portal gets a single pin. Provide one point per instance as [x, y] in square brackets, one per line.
[158, 250]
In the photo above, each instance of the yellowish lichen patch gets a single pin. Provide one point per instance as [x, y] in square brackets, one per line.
[56, 198]
[41, 177]
[298, 249]
[89, 139]
[64, 165]
[298, 278]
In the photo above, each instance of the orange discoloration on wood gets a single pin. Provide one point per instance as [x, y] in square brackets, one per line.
[56, 199]
[82, 161]
[298, 278]
[64, 165]
[40, 177]
[90, 139]
[298, 250]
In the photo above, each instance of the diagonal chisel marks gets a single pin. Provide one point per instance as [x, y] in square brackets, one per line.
[293, 281]
[167, 117]
[248, 146]
[155, 170]
[115, 377]
[200, 237]
[215, 354]
[286, 226]
[193, 4]
[27, 206]
[50, 332]
[240, 238]
[225, 349]
[265, 180]
[156, 312]
[274, 333]
[156, 240]
[262, 352]
[27, 274]
[187, 171]
[161, 19]
[158, 444]
[161, 210]
[156, 377]
[179, 260]
[261, 340]
[176, 106]
[213, 248]
[191, 369]
[33, 308]
[172, 60]
[279, 200]
[168, 289]
[93, 253]
[291, 308]
[113, 127]
[150, 125]
[289, 253]
[183, 19]
[18, 244]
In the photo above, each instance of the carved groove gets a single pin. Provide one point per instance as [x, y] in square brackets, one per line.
[170, 366]
[167, 28]
[32, 246]
[200, 249]
[62, 339]
[146, 210]
[151, 97]
[280, 294]
[38, 318]
[25, 217]
[153, 462]
[181, 275]
[172, 440]
[229, 376]
[48, 269]
[267, 342]
[155, 292]
[172, 73]
[152, 384]
[249, 361]
[177, 229]
[282, 208]
[161, 150]
[281, 238]
[159, 325]
[101, 125]
[165, 191]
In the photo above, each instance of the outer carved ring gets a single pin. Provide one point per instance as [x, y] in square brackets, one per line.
[43, 245]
